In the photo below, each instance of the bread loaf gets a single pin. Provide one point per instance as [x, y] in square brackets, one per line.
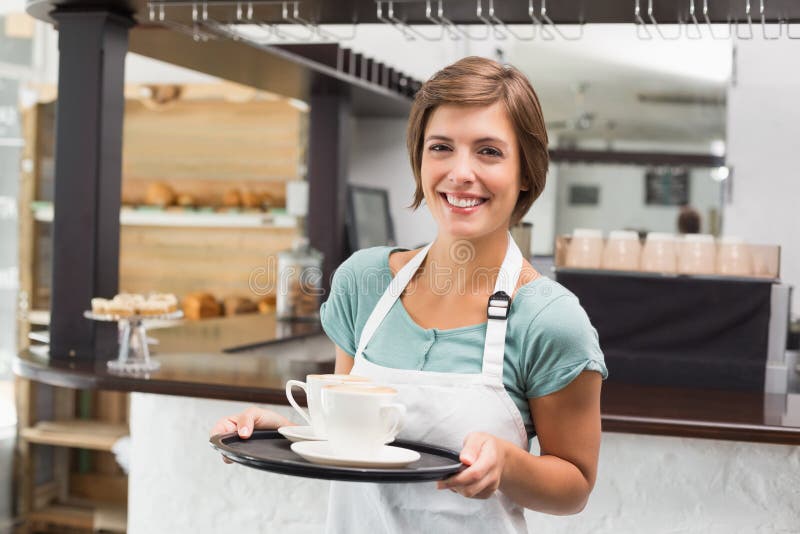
[239, 305]
[200, 306]
[159, 194]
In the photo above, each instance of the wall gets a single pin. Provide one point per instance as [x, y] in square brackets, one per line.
[763, 132]
[646, 484]
[622, 199]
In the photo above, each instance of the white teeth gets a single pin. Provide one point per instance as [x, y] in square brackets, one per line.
[463, 202]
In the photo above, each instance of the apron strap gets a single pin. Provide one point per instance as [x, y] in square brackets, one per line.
[497, 312]
[387, 300]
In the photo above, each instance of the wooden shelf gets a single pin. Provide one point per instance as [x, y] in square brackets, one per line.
[108, 518]
[43, 212]
[83, 434]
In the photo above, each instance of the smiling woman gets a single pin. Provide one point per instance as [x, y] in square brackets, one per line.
[483, 351]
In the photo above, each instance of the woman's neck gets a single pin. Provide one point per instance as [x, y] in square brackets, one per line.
[466, 266]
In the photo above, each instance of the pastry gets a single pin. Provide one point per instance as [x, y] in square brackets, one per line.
[152, 307]
[100, 306]
[232, 198]
[184, 200]
[170, 301]
[267, 304]
[239, 305]
[251, 199]
[200, 306]
[159, 194]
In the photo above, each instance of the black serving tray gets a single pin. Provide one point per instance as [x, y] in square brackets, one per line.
[270, 451]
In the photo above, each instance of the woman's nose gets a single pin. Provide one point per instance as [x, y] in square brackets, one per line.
[462, 170]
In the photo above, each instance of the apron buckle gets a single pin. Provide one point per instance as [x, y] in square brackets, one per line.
[499, 304]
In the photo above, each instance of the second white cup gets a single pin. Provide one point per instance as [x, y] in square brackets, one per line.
[360, 419]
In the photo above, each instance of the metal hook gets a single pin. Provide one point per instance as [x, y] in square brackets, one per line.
[655, 24]
[452, 30]
[193, 31]
[491, 25]
[764, 25]
[543, 15]
[295, 19]
[789, 31]
[404, 28]
[641, 24]
[699, 34]
[710, 28]
[512, 32]
[749, 23]
[535, 21]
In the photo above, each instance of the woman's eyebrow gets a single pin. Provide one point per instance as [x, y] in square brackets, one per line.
[446, 139]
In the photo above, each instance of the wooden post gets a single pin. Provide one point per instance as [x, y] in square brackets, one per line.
[88, 168]
[328, 146]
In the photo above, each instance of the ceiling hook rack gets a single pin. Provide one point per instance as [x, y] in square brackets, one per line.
[454, 32]
[543, 15]
[653, 21]
[695, 24]
[711, 28]
[295, 18]
[764, 25]
[157, 13]
[198, 35]
[510, 31]
[641, 24]
[537, 22]
[491, 21]
[408, 32]
[749, 19]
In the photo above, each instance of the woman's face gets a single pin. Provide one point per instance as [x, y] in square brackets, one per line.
[470, 169]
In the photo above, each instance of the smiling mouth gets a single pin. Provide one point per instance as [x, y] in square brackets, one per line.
[462, 202]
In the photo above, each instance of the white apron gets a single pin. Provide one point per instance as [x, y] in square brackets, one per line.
[442, 408]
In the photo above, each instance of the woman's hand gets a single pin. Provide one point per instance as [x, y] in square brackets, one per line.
[251, 419]
[485, 456]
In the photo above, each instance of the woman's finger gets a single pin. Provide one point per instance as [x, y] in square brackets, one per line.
[223, 426]
[269, 420]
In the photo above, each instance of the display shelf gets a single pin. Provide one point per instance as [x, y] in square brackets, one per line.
[43, 212]
[98, 517]
[84, 434]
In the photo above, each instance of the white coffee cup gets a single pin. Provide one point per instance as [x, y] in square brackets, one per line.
[312, 387]
[360, 419]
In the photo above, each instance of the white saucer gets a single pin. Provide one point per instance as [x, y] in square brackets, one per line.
[299, 433]
[319, 452]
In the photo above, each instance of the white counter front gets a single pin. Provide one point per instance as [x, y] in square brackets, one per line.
[646, 484]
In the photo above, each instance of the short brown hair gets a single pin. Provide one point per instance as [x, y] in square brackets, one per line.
[477, 81]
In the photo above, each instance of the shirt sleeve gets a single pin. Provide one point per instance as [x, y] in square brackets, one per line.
[563, 344]
[338, 313]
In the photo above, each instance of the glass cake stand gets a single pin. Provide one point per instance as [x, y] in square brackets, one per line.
[134, 356]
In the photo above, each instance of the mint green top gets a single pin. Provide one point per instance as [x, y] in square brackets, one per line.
[549, 339]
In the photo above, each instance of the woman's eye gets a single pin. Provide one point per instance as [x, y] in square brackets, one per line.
[439, 148]
[489, 151]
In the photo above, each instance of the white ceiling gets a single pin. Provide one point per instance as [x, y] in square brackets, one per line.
[610, 59]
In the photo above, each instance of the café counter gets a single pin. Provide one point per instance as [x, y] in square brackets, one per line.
[739, 475]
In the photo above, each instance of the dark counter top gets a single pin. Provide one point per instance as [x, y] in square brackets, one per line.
[194, 362]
